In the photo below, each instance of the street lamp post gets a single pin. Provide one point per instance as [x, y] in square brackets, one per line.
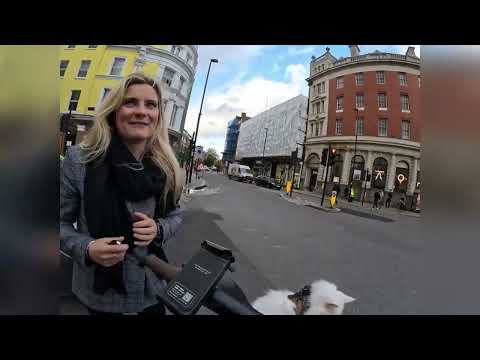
[198, 120]
[263, 155]
[353, 164]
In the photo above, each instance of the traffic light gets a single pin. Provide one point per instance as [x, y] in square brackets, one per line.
[331, 158]
[324, 157]
[295, 155]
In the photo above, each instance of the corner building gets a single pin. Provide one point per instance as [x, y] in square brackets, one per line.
[367, 108]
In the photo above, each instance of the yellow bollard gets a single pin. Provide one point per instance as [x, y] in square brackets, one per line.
[333, 199]
[289, 186]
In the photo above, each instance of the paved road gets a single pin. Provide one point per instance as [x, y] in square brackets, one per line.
[281, 244]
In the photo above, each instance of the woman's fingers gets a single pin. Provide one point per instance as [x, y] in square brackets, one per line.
[144, 231]
[143, 237]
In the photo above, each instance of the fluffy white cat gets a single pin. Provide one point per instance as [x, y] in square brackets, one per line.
[320, 298]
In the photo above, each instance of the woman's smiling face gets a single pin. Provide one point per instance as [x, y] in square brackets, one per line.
[138, 116]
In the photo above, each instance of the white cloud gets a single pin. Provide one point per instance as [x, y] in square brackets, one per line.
[251, 97]
[296, 73]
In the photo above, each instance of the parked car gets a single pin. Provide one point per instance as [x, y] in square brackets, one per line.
[267, 182]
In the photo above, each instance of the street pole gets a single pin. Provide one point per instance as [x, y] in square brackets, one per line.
[263, 155]
[199, 115]
[326, 177]
[354, 163]
[191, 154]
[365, 187]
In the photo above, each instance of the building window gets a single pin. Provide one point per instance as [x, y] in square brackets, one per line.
[174, 114]
[340, 82]
[359, 79]
[359, 101]
[177, 51]
[382, 127]
[71, 46]
[189, 58]
[311, 129]
[105, 93]
[84, 65]
[63, 67]
[339, 127]
[380, 77]
[92, 46]
[323, 67]
[382, 101]
[322, 87]
[405, 102]
[168, 76]
[316, 129]
[320, 131]
[172, 50]
[317, 108]
[74, 98]
[340, 103]
[117, 66]
[359, 126]
[322, 106]
[406, 130]
[403, 78]
[182, 82]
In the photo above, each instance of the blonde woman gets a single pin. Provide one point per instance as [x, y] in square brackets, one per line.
[121, 186]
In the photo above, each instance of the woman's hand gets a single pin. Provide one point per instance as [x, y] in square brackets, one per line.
[102, 253]
[145, 229]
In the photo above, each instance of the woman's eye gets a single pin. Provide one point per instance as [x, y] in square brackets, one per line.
[152, 105]
[129, 102]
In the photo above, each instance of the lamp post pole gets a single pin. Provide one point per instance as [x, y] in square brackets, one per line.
[263, 155]
[198, 120]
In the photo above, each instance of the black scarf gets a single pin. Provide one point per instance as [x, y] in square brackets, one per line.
[108, 184]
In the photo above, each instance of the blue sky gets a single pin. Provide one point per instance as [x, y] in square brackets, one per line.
[252, 78]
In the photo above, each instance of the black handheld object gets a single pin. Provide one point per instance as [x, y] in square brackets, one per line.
[185, 293]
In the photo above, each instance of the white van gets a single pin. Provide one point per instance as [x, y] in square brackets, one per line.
[240, 172]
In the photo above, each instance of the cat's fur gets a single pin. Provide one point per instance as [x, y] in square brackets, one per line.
[325, 299]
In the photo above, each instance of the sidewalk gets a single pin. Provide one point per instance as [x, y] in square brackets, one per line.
[342, 203]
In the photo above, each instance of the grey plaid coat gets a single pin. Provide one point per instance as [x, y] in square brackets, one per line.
[141, 283]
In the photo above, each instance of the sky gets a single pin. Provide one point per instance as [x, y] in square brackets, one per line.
[252, 79]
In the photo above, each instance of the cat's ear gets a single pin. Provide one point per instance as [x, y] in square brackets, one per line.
[346, 299]
[291, 297]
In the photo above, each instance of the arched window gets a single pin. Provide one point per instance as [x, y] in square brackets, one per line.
[379, 173]
[337, 168]
[402, 175]
[313, 161]
[358, 163]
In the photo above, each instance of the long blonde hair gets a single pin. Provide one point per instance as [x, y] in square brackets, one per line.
[158, 149]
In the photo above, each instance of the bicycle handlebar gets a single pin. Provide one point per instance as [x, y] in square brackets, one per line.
[223, 300]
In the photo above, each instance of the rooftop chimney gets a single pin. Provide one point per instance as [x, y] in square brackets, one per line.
[354, 50]
[411, 51]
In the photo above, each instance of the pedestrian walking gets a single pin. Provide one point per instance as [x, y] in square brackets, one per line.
[376, 198]
[389, 200]
[381, 200]
[121, 186]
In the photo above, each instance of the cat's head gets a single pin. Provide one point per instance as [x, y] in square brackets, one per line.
[326, 299]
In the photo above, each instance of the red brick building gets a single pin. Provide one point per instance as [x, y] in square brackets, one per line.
[367, 107]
